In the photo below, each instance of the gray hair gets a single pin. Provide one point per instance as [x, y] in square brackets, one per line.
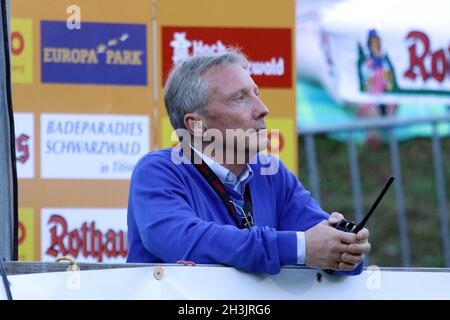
[185, 90]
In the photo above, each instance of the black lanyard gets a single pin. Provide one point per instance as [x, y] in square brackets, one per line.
[219, 188]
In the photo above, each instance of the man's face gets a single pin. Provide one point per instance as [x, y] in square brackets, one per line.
[234, 103]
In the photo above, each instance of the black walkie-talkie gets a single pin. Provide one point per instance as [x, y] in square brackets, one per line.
[347, 226]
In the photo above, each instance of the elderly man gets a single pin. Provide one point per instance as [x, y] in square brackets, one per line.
[209, 208]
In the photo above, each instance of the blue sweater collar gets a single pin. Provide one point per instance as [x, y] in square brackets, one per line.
[227, 177]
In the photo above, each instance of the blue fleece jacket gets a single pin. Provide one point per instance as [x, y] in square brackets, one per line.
[174, 214]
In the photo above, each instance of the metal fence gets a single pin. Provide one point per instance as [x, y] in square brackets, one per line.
[389, 125]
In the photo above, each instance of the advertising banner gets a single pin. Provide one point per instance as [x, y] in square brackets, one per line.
[84, 113]
[24, 132]
[99, 53]
[86, 234]
[22, 50]
[269, 68]
[401, 58]
[92, 146]
[27, 235]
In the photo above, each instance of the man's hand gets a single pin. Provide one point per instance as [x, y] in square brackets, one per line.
[329, 248]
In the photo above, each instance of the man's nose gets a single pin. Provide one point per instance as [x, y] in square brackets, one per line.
[261, 111]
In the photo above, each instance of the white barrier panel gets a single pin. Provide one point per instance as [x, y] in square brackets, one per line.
[202, 282]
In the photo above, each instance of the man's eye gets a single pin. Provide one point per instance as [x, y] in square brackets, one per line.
[241, 98]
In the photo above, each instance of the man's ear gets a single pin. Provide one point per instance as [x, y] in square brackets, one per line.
[195, 123]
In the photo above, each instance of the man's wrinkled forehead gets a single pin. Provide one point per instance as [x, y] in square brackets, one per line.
[228, 79]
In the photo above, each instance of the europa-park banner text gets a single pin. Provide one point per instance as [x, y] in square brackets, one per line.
[87, 95]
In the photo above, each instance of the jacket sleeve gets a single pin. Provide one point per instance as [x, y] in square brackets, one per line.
[299, 211]
[162, 207]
